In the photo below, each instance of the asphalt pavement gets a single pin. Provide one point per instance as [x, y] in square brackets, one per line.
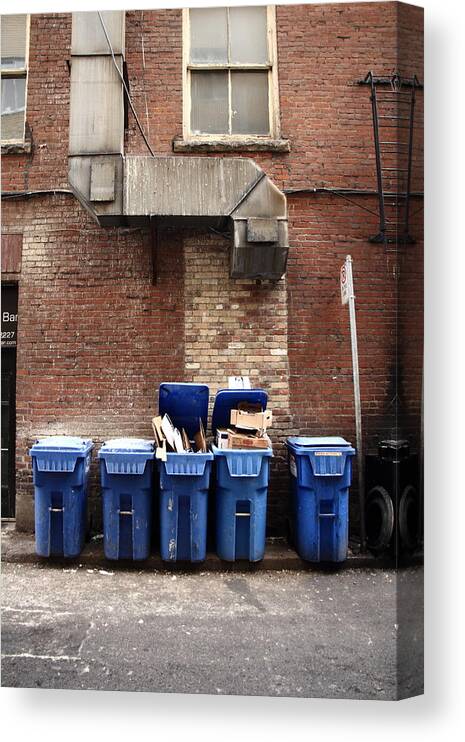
[332, 634]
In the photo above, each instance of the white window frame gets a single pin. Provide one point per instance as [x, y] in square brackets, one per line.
[273, 86]
[20, 72]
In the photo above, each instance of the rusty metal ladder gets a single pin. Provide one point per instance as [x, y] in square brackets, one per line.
[393, 111]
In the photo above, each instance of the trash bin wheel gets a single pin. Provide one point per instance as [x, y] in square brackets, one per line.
[408, 518]
[379, 519]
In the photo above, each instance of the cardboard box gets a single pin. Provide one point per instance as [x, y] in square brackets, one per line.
[251, 420]
[222, 438]
[242, 440]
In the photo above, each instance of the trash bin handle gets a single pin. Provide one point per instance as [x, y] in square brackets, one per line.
[56, 510]
[334, 476]
[239, 476]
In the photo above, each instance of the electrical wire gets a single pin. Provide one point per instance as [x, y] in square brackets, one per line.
[341, 194]
[332, 192]
[120, 74]
[347, 191]
[354, 203]
[147, 121]
[6, 195]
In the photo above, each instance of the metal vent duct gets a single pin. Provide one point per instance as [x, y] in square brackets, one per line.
[226, 193]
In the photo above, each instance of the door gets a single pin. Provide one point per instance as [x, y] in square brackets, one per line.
[8, 398]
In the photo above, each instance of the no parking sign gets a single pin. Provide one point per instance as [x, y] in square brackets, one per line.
[346, 281]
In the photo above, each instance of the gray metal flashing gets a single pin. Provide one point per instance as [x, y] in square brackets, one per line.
[185, 186]
[247, 192]
[88, 37]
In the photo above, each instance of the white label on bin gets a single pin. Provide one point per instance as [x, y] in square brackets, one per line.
[328, 453]
[87, 463]
[293, 466]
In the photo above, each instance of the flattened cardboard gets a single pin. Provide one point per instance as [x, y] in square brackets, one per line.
[251, 420]
[186, 442]
[167, 437]
[178, 442]
[168, 430]
[156, 426]
[160, 453]
[200, 438]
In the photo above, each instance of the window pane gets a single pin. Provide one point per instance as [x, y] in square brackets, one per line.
[249, 99]
[248, 35]
[13, 41]
[12, 126]
[13, 103]
[13, 94]
[209, 94]
[209, 38]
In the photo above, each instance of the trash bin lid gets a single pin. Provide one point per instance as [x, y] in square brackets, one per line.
[185, 403]
[61, 443]
[123, 445]
[308, 442]
[394, 450]
[228, 399]
[394, 443]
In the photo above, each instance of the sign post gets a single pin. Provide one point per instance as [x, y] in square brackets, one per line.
[348, 297]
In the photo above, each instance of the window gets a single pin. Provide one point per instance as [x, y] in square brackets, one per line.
[230, 73]
[14, 37]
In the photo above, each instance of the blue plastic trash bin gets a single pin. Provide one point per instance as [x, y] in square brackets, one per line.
[61, 466]
[241, 485]
[126, 477]
[184, 477]
[321, 470]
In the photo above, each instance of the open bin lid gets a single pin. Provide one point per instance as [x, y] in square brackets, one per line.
[323, 442]
[184, 403]
[228, 399]
[65, 443]
[127, 445]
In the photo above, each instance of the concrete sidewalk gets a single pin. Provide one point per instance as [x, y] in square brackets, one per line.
[19, 548]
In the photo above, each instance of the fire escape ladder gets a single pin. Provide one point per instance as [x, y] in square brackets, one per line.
[393, 112]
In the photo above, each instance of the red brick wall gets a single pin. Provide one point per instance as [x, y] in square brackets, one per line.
[96, 336]
[323, 50]
[47, 109]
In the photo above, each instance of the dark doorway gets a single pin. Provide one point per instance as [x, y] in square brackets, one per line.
[8, 437]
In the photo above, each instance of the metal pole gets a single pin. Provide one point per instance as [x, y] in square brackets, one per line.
[409, 168]
[358, 408]
[379, 173]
